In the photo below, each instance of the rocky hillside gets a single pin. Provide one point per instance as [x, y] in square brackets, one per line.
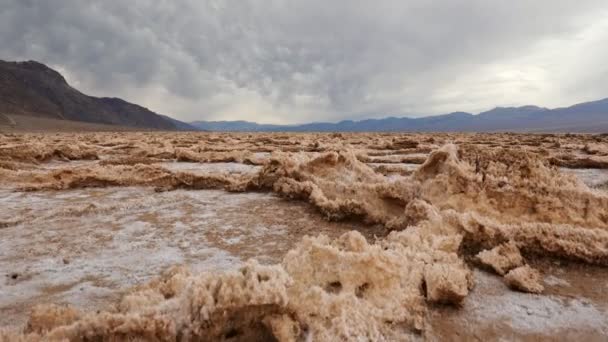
[33, 89]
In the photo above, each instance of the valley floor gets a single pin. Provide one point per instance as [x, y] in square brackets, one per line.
[24, 123]
[210, 236]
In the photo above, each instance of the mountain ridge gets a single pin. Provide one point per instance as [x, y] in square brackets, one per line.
[34, 89]
[582, 117]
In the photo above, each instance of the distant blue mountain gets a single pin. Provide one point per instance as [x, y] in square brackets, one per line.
[584, 117]
[238, 126]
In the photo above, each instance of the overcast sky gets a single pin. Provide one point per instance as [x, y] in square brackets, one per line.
[282, 61]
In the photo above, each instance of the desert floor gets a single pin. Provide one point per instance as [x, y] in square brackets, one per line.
[245, 236]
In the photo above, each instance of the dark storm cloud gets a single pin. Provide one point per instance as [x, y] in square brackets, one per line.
[294, 61]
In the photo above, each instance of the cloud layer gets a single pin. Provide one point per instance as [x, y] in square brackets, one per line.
[282, 61]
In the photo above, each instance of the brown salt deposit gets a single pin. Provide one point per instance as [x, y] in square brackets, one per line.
[407, 271]
[502, 258]
[525, 278]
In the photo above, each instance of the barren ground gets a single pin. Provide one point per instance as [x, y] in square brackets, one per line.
[25, 123]
[205, 236]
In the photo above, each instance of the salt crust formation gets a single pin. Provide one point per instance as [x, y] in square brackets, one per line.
[502, 258]
[525, 279]
[458, 203]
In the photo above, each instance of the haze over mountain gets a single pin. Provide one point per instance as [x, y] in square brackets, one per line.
[583, 117]
[33, 89]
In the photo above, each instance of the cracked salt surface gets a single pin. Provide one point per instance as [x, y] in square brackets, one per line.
[56, 164]
[591, 177]
[533, 313]
[82, 247]
[493, 312]
[210, 168]
[552, 280]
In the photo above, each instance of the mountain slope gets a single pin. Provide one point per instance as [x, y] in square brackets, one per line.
[584, 117]
[31, 88]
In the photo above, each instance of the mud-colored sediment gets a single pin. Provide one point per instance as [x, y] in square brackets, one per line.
[495, 201]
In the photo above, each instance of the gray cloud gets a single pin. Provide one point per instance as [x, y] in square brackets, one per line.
[294, 61]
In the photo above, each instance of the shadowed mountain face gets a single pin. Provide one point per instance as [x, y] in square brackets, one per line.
[33, 89]
[584, 117]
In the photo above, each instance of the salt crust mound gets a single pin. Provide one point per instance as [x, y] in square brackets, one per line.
[502, 258]
[323, 290]
[457, 203]
[525, 279]
[485, 198]
[122, 175]
[39, 152]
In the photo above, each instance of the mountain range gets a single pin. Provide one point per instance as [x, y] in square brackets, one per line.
[583, 117]
[33, 89]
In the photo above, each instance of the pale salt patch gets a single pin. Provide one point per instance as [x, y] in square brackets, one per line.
[72, 164]
[404, 166]
[210, 168]
[552, 280]
[215, 260]
[233, 240]
[83, 294]
[591, 177]
[530, 313]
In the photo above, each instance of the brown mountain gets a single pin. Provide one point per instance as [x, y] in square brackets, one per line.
[35, 90]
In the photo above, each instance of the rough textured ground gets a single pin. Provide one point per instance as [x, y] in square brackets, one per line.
[203, 236]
